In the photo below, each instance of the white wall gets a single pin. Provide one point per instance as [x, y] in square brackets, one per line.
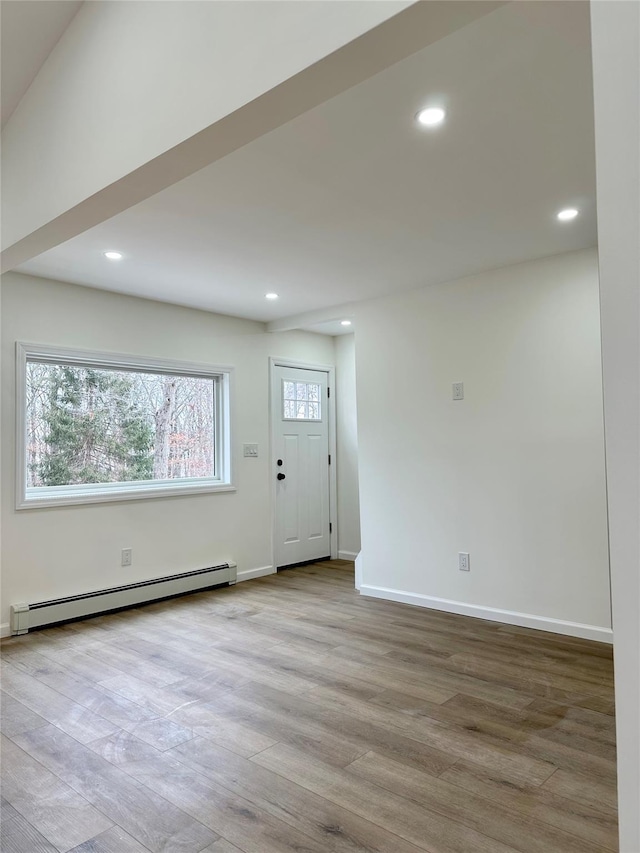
[58, 551]
[347, 441]
[615, 31]
[513, 474]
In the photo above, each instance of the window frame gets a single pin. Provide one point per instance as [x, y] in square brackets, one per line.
[93, 493]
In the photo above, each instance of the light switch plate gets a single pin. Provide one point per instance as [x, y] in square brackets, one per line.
[250, 450]
[458, 390]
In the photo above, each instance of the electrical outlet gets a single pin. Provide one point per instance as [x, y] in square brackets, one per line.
[463, 562]
[127, 557]
[458, 390]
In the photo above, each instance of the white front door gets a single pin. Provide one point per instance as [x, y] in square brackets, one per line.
[301, 465]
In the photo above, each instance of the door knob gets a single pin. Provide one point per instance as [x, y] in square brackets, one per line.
[281, 476]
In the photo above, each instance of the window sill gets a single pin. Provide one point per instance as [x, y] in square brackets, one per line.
[67, 496]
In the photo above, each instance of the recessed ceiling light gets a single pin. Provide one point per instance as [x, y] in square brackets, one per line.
[567, 214]
[431, 116]
[113, 256]
[271, 296]
[345, 322]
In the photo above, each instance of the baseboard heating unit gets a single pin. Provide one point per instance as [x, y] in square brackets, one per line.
[24, 617]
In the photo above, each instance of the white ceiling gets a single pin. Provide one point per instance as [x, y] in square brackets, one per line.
[353, 200]
[30, 31]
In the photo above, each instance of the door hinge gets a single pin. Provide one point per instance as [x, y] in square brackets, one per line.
[330, 527]
[328, 391]
[329, 459]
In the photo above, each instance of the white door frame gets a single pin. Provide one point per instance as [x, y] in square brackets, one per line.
[333, 478]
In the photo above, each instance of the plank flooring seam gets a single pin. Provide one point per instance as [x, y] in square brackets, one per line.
[577, 838]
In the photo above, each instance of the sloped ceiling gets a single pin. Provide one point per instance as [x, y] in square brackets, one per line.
[353, 200]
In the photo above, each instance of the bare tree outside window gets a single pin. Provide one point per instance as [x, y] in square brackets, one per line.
[96, 425]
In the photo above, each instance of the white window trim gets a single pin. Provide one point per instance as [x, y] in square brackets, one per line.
[27, 498]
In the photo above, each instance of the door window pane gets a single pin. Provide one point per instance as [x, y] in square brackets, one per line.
[301, 401]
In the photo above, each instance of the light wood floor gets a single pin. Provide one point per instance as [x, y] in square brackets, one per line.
[290, 714]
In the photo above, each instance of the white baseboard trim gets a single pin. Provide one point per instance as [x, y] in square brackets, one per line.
[493, 614]
[347, 555]
[5, 630]
[358, 571]
[249, 574]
